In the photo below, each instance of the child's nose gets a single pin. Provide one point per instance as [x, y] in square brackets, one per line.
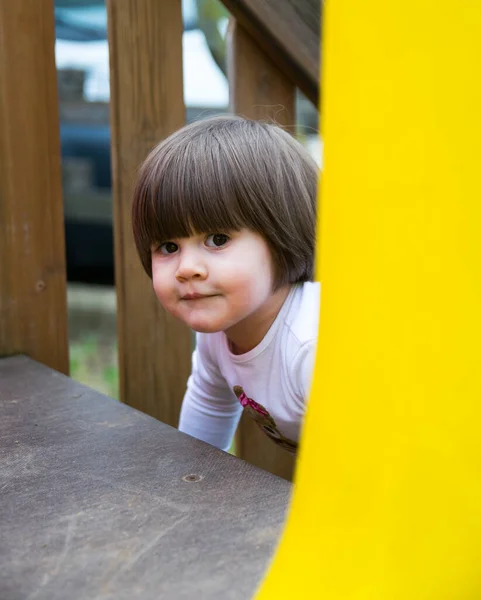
[191, 266]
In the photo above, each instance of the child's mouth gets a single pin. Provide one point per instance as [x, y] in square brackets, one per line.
[197, 296]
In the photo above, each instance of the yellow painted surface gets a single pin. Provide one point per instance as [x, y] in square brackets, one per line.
[387, 502]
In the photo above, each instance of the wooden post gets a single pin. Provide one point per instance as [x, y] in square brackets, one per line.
[33, 306]
[259, 90]
[145, 42]
[288, 32]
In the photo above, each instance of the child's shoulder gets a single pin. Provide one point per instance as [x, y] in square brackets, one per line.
[302, 320]
[299, 338]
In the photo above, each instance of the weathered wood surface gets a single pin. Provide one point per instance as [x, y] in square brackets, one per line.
[33, 303]
[95, 503]
[145, 45]
[288, 31]
[259, 90]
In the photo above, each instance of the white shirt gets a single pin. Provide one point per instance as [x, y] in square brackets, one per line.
[271, 381]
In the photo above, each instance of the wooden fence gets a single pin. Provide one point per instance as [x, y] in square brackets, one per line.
[271, 51]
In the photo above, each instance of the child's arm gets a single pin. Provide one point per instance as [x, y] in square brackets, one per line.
[210, 410]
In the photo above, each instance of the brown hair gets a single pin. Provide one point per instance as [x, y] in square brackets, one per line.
[227, 173]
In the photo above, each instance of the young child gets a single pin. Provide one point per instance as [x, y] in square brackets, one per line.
[224, 222]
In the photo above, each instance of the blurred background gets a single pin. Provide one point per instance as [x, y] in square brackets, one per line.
[83, 85]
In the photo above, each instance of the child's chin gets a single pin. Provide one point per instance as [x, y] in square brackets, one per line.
[205, 328]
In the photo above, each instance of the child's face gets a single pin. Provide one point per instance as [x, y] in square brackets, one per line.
[214, 282]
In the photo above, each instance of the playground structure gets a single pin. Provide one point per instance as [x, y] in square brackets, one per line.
[273, 47]
[387, 497]
[141, 509]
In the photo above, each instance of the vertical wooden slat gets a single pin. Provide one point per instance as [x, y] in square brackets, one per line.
[259, 90]
[33, 307]
[288, 32]
[145, 41]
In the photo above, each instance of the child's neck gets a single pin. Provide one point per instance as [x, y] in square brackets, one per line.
[250, 332]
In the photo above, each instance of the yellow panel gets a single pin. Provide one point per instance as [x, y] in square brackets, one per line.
[388, 493]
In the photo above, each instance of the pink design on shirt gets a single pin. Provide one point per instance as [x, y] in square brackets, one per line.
[246, 401]
[263, 420]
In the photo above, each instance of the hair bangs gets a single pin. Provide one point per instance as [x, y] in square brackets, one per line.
[183, 193]
[226, 173]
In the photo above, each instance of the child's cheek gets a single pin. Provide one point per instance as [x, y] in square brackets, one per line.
[162, 292]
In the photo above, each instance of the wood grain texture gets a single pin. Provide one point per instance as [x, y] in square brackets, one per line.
[288, 31]
[145, 42]
[33, 305]
[259, 90]
[101, 501]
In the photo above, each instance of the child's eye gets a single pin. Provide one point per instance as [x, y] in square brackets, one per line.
[216, 240]
[168, 248]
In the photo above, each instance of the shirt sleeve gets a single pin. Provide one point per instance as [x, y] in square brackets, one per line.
[210, 411]
[302, 371]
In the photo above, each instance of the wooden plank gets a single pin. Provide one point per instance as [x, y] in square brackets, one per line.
[101, 501]
[288, 31]
[259, 90]
[145, 41]
[33, 310]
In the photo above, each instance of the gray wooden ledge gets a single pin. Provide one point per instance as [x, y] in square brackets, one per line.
[98, 500]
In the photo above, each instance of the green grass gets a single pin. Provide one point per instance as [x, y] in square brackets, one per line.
[94, 363]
